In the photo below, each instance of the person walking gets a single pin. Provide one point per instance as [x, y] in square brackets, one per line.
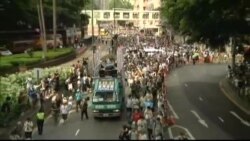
[64, 110]
[40, 121]
[28, 128]
[84, 108]
[78, 98]
[129, 108]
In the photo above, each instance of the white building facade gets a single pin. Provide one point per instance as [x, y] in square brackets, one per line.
[141, 19]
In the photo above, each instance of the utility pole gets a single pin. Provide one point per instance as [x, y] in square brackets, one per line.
[44, 30]
[54, 23]
[93, 46]
[114, 19]
[92, 20]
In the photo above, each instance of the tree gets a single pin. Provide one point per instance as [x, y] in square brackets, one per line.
[120, 4]
[22, 14]
[88, 5]
[16, 14]
[212, 22]
[208, 21]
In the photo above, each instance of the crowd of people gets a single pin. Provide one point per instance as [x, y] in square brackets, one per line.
[145, 76]
[61, 95]
[144, 73]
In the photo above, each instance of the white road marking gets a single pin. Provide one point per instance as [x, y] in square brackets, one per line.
[221, 119]
[186, 85]
[200, 98]
[190, 136]
[78, 130]
[201, 121]
[241, 119]
[171, 108]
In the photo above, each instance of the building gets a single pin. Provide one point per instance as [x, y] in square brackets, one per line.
[144, 16]
[142, 6]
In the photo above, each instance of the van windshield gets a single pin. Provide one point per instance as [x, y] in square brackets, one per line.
[105, 96]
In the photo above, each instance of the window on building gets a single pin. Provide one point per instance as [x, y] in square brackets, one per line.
[106, 15]
[138, 6]
[151, 22]
[117, 15]
[155, 15]
[144, 8]
[135, 15]
[155, 30]
[145, 16]
[151, 6]
[126, 15]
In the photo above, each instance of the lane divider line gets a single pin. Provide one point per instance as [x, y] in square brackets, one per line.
[78, 130]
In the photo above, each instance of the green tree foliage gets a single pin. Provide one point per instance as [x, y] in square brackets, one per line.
[208, 21]
[22, 14]
[15, 14]
[68, 12]
[88, 6]
[120, 4]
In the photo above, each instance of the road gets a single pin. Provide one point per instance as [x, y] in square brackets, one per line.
[74, 128]
[200, 106]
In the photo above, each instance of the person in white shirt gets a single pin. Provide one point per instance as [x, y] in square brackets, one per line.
[129, 107]
[135, 103]
[142, 136]
[28, 129]
[64, 110]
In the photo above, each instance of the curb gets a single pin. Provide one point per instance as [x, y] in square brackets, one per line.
[225, 92]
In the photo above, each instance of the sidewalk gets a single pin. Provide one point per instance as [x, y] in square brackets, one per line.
[5, 132]
[231, 93]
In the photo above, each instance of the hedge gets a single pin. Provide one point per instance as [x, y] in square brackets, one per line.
[8, 62]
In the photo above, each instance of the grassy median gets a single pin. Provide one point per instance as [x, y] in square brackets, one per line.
[9, 62]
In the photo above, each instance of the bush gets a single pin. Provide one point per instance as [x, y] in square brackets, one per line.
[9, 62]
[13, 85]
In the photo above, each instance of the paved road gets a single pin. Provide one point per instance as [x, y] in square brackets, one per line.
[74, 128]
[194, 93]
